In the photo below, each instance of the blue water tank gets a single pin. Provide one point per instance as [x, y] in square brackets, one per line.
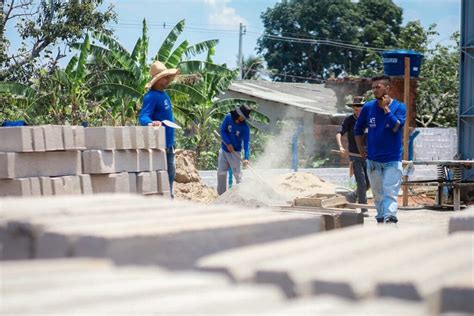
[394, 62]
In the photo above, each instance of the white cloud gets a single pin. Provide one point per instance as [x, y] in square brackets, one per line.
[223, 15]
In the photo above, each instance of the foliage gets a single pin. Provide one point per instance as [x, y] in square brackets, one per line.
[252, 67]
[44, 26]
[438, 90]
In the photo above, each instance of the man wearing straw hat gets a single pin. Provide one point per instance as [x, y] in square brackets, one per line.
[358, 163]
[157, 107]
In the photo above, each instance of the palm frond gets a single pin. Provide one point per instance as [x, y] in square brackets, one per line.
[169, 42]
[200, 48]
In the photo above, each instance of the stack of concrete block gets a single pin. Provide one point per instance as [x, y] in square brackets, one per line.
[69, 160]
[93, 286]
[126, 159]
[413, 264]
[42, 160]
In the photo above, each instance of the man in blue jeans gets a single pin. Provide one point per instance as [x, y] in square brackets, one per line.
[157, 107]
[384, 117]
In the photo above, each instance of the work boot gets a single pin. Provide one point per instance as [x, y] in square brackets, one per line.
[390, 220]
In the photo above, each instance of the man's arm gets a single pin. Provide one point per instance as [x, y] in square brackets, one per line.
[247, 143]
[341, 131]
[225, 136]
[147, 112]
[359, 129]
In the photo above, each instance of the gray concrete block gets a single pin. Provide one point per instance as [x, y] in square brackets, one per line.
[144, 160]
[158, 160]
[79, 137]
[137, 136]
[123, 138]
[67, 185]
[15, 245]
[160, 137]
[126, 160]
[46, 186]
[15, 187]
[147, 183]
[39, 164]
[98, 161]
[37, 136]
[110, 183]
[53, 137]
[163, 182]
[86, 183]
[456, 295]
[35, 186]
[149, 137]
[51, 245]
[133, 181]
[15, 139]
[463, 222]
[99, 138]
[68, 137]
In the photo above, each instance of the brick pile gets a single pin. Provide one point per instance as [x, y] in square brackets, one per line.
[71, 160]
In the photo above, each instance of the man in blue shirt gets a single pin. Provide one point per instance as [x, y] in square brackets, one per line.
[157, 107]
[234, 131]
[384, 117]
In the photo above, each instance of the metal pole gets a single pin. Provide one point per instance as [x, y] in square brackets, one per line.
[406, 129]
[239, 63]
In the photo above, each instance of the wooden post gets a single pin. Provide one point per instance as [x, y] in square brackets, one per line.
[406, 129]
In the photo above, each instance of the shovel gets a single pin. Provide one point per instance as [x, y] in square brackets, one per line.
[171, 124]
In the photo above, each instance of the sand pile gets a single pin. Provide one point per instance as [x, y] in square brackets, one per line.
[188, 185]
[277, 190]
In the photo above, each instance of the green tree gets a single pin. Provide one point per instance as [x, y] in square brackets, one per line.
[44, 26]
[252, 67]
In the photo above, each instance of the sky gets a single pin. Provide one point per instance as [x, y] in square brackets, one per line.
[220, 19]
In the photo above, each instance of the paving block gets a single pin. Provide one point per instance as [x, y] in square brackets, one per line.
[126, 160]
[68, 185]
[99, 138]
[37, 136]
[79, 137]
[98, 161]
[35, 186]
[46, 186]
[15, 245]
[110, 183]
[133, 181]
[15, 139]
[158, 159]
[15, 187]
[53, 138]
[137, 136]
[160, 137]
[123, 138]
[149, 137]
[86, 184]
[163, 182]
[456, 295]
[68, 137]
[464, 222]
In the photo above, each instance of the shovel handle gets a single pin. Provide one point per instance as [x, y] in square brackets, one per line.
[348, 153]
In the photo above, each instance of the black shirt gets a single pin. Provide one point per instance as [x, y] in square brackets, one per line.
[348, 127]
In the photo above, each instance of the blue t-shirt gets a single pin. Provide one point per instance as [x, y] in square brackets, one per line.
[235, 133]
[157, 107]
[383, 143]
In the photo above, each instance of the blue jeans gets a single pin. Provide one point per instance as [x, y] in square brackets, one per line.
[171, 168]
[385, 180]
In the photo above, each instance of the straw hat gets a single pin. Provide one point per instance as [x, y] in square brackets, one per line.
[157, 71]
[357, 102]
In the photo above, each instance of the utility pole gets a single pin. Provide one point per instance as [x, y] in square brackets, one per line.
[242, 31]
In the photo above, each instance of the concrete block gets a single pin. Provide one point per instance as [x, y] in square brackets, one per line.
[79, 137]
[15, 139]
[123, 138]
[98, 161]
[137, 136]
[163, 182]
[15, 187]
[464, 222]
[144, 160]
[15, 246]
[160, 137]
[37, 136]
[149, 137]
[53, 137]
[68, 185]
[46, 186]
[68, 137]
[35, 186]
[39, 164]
[133, 181]
[99, 138]
[126, 160]
[158, 160]
[110, 183]
[86, 184]
[147, 183]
